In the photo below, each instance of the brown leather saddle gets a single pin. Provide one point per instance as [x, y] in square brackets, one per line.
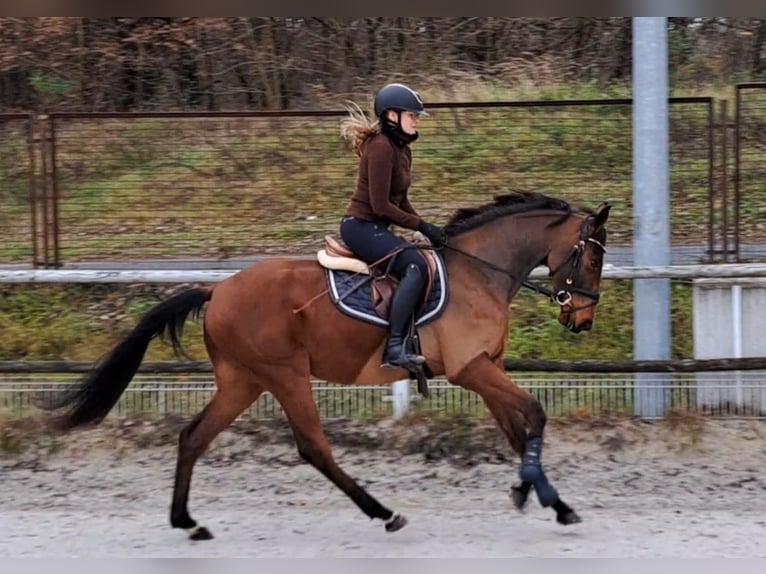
[336, 255]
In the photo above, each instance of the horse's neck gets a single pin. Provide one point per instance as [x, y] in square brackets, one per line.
[514, 244]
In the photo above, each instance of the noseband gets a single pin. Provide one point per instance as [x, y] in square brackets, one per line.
[562, 296]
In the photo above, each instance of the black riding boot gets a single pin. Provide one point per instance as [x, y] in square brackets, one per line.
[402, 307]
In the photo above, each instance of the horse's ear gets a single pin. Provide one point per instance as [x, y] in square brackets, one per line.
[601, 215]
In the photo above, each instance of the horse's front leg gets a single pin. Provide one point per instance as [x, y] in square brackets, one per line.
[522, 419]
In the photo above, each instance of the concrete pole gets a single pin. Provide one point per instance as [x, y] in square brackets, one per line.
[651, 208]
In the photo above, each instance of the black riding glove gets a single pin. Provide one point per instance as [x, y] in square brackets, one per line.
[434, 233]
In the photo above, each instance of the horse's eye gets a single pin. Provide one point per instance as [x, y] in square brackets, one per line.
[595, 263]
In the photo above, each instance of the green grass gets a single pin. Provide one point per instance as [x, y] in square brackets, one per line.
[80, 322]
[76, 322]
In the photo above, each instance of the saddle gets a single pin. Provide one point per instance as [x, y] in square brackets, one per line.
[337, 256]
[364, 292]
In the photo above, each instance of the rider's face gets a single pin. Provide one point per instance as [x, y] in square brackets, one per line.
[409, 121]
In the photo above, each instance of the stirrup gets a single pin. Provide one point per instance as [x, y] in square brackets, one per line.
[411, 362]
[401, 352]
[415, 370]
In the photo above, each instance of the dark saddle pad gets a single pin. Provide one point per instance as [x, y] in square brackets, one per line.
[355, 295]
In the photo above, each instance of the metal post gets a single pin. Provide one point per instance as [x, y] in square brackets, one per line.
[725, 180]
[400, 397]
[162, 407]
[736, 339]
[651, 211]
[45, 181]
[55, 200]
[737, 167]
[33, 184]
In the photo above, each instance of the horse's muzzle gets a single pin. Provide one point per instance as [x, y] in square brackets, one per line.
[568, 320]
[584, 326]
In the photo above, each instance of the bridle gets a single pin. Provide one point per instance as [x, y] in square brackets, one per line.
[561, 297]
[564, 296]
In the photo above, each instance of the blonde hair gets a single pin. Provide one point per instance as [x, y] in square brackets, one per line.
[357, 128]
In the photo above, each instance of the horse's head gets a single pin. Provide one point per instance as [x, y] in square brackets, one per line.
[571, 243]
[575, 264]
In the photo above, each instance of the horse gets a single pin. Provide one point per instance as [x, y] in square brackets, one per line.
[271, 327]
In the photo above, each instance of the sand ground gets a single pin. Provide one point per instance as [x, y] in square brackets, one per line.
[687, 488]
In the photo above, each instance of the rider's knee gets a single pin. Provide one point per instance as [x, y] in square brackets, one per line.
[416, 268]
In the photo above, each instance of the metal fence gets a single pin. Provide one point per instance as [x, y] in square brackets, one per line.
[561, 394]
[17, 210]
[105, 187]
[725, 386]
[750, 172]
[219, 185]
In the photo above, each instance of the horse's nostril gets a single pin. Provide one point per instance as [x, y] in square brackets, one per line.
[586, 325]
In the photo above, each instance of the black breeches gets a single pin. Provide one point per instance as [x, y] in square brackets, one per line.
[373, 241]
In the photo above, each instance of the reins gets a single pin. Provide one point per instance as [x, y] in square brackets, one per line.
[537, 288]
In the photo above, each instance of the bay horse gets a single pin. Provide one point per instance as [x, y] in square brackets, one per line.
[262, 336]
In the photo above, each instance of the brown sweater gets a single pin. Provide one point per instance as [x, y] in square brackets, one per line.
[381, 189]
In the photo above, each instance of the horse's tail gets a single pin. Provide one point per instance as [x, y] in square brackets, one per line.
[91, 399]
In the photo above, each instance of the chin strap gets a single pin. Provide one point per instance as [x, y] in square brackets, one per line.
[394, 131]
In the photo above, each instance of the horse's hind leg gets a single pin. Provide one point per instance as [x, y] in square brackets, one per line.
[522, 419]
[297, 400]
[517, 434]
[236, 391]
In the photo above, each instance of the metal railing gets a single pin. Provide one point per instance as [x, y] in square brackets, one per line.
[562, 395]
[712, 386]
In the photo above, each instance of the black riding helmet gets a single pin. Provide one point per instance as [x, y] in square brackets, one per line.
[398, 97]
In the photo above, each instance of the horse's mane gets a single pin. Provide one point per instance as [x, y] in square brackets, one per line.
[468, 218]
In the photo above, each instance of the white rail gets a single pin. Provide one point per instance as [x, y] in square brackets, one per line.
[715, 271]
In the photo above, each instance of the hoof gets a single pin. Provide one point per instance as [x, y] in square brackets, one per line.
[519, 497]
[200, 533]
[566, 518]
[397, 522]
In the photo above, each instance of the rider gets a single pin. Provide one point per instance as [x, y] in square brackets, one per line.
[380, 199]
